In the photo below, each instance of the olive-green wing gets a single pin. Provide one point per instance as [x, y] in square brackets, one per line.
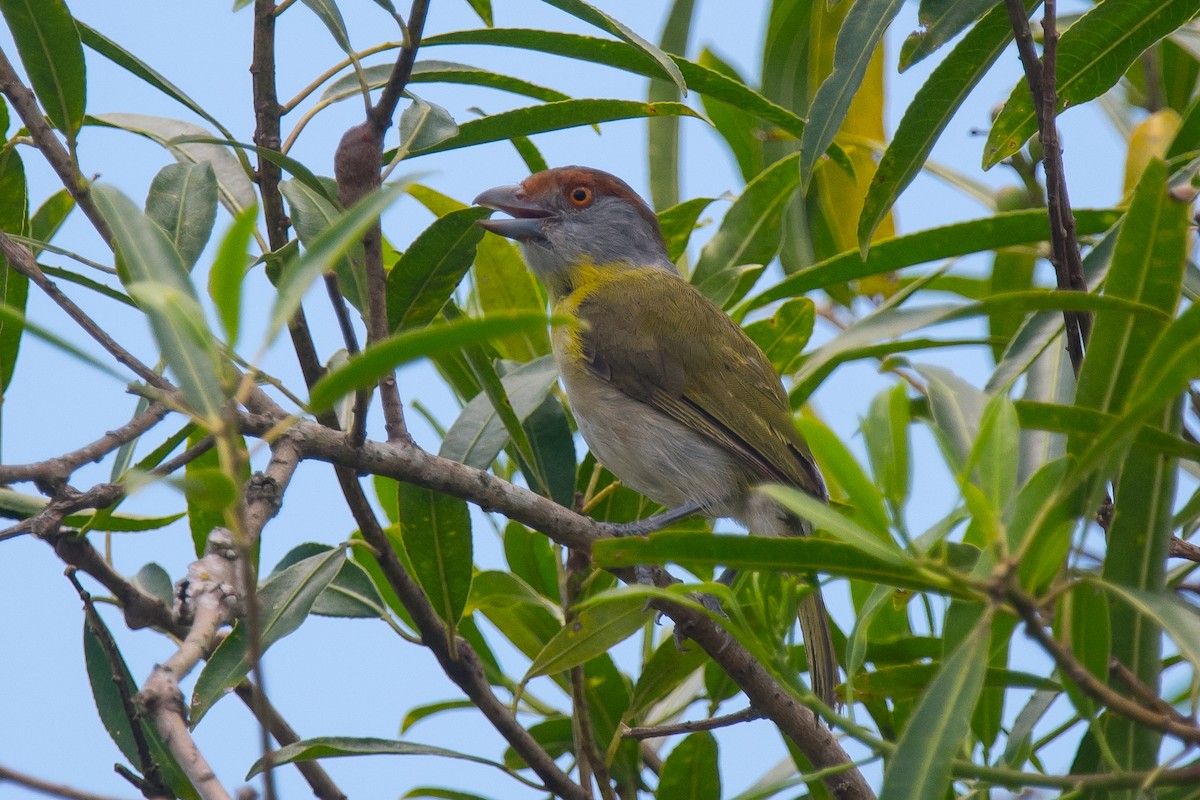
[656, 338]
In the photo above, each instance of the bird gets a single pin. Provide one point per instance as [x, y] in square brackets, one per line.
[668, 392]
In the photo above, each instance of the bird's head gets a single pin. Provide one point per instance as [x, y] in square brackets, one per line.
[568, 218]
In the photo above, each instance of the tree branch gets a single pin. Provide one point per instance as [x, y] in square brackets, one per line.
[210, 600]
[61, 467]
[20, 259]
[1171, 724]
[22, 99]
[413, 465]
[1068, 265]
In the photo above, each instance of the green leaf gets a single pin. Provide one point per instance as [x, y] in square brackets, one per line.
[940, 21]
[591, 633]
[1177, 618]
[285, 600]
[841, 526]
[229, 270]
[667, 668]
[861, 31]
[312, 213]
[14, 286]
[103, 673]
[523, 616]
[1093, 54]
[432, 71]
[958, 239]
[543, 118]
[325, 252]
[156, 278]
[690, 772]
[807, 554]
[369, 366]
[604, 22]
[341, 746]
[622, 56]
[843, 468]
[934, 735]
[48, 42]
[435, 530]
[423, 126]
[1147, 267]
[350, 594]
[1086, 423]
[502, 283]
[885, 430]
[329, 14]
[478, 435]
[783, 336]
[431, 268]
[183, 202]
[751, 230]
[552, 442]
[530, 557]
[934, 104]
[419, 713]
[49, 217]
[663, 144]
[236, 189]
[678, 222]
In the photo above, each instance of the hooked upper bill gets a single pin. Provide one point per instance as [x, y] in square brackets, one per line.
[526, 215]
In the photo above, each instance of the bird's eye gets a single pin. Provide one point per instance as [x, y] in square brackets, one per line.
[580, 196]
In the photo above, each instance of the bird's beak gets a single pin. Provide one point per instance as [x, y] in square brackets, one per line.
[527, 216]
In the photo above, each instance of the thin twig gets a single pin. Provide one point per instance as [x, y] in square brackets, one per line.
[587, 752]
[1183, 549]
[1141, 691]
[1068, 264]
[356, 167]
[413, 465]
[362, 398]
[22, 99]
[20, 259]
[61, 467]
[46, 787]
[1072, 668]
[710, 724]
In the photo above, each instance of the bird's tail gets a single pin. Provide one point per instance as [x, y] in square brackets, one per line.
[818, 645]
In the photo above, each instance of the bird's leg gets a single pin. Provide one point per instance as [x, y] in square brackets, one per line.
[644, 527]
[728, 576]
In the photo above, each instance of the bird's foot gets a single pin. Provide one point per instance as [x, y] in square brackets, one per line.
[711, 604]
[647, 526]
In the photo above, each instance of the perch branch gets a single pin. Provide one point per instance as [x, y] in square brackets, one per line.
[710, 724]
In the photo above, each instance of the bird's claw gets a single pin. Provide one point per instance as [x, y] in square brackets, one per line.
[711, 604]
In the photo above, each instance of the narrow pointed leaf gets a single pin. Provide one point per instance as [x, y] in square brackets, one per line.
[329, 14]
[751, 230]
[861, 31]
[286, 599]
[702, 79]
[934, 734]
[14, 286]
[373, 363]
[46, 38]
[325, 252]
[341, 746]
[424, 126]
[844, 528]
[435, 529]
[1093, 54]
[546, 117]
[431, 268]
[958, 239]
[663, 144]
[940, 22]
[690, 772]
[596, 628]
[604, 22]
[228, 271]
[930, 112]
